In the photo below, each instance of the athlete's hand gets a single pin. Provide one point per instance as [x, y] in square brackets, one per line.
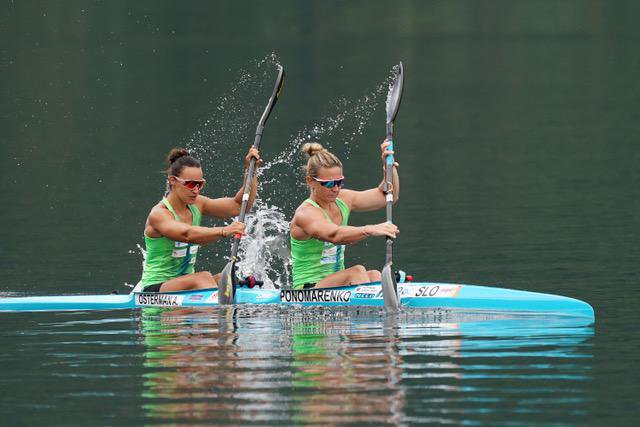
[386, 152]
[382, 229]
[253, 152]
[234, 228]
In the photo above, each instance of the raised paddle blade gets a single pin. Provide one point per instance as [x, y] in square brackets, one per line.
[228, 281]
[395, 94]
[390, 290]
[277, 89]
[226, 286]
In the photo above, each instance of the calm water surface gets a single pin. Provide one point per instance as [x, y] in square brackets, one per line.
[518, 147]
[288, 365]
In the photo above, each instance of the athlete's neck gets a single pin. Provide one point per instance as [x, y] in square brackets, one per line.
[176, 203]
[324, 204]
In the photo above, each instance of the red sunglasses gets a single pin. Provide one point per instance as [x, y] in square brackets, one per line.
[191, 184]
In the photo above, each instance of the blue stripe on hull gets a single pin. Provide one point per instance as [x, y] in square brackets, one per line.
[71, 302]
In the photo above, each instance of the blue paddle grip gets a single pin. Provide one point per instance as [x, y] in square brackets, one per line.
[390, 157]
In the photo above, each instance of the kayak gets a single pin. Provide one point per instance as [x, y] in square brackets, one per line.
[418, 295]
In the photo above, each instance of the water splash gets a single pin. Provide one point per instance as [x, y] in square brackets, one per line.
[229, 131]
[265, 249]
[142, 250]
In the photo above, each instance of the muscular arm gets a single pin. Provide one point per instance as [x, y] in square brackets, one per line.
[372, 199]
[163, 222]
[307, 223]
[226, 207]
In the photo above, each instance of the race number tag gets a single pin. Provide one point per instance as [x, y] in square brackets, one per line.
[331, 253]
[180, 250]
[179, 253]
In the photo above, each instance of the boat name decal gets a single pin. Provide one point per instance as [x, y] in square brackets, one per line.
[158, 300]
[438, 291]
[315, 295]
[375, 292]
[364, 295]
[404, 290]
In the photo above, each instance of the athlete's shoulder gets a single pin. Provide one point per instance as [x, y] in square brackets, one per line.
[159, 211]
[306, 212]
[347, 196]
[304, 217]
[308, 206]
[201, 201]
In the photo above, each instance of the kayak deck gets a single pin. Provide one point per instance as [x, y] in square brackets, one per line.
[412, 295]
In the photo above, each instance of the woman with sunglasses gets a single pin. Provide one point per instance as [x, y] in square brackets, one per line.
[172, 233]
[319, 230]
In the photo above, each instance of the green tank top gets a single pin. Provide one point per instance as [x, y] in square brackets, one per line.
[312, 260]
[167, 259]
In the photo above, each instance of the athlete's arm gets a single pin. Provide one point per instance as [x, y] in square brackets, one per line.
[374, 198]
[311, 223]
[226, 207]
[163, 222]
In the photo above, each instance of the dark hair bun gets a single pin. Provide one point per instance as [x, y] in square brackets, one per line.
[175, 154]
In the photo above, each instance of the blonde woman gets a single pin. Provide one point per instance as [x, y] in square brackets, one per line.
[319, 230]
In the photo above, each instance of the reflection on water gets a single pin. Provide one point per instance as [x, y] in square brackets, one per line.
[283, 364]
[246, 364]
[343, 374]
[331, 366]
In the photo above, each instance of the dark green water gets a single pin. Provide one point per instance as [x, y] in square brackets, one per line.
[517, 140]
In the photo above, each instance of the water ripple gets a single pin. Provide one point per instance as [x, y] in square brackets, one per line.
[292, 365]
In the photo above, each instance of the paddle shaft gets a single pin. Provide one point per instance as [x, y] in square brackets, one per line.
[388, 281]
[388, 187]
[252, 162]
[245, 194]
[227, 282]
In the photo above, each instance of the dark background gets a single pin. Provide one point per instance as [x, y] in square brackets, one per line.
[517, 137]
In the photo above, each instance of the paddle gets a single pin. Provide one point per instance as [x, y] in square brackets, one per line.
[389, 285]
[228, 280]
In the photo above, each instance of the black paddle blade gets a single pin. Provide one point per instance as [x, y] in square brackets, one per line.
[277, 89]
[227, 285]
[394, 96]
[389, 290]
